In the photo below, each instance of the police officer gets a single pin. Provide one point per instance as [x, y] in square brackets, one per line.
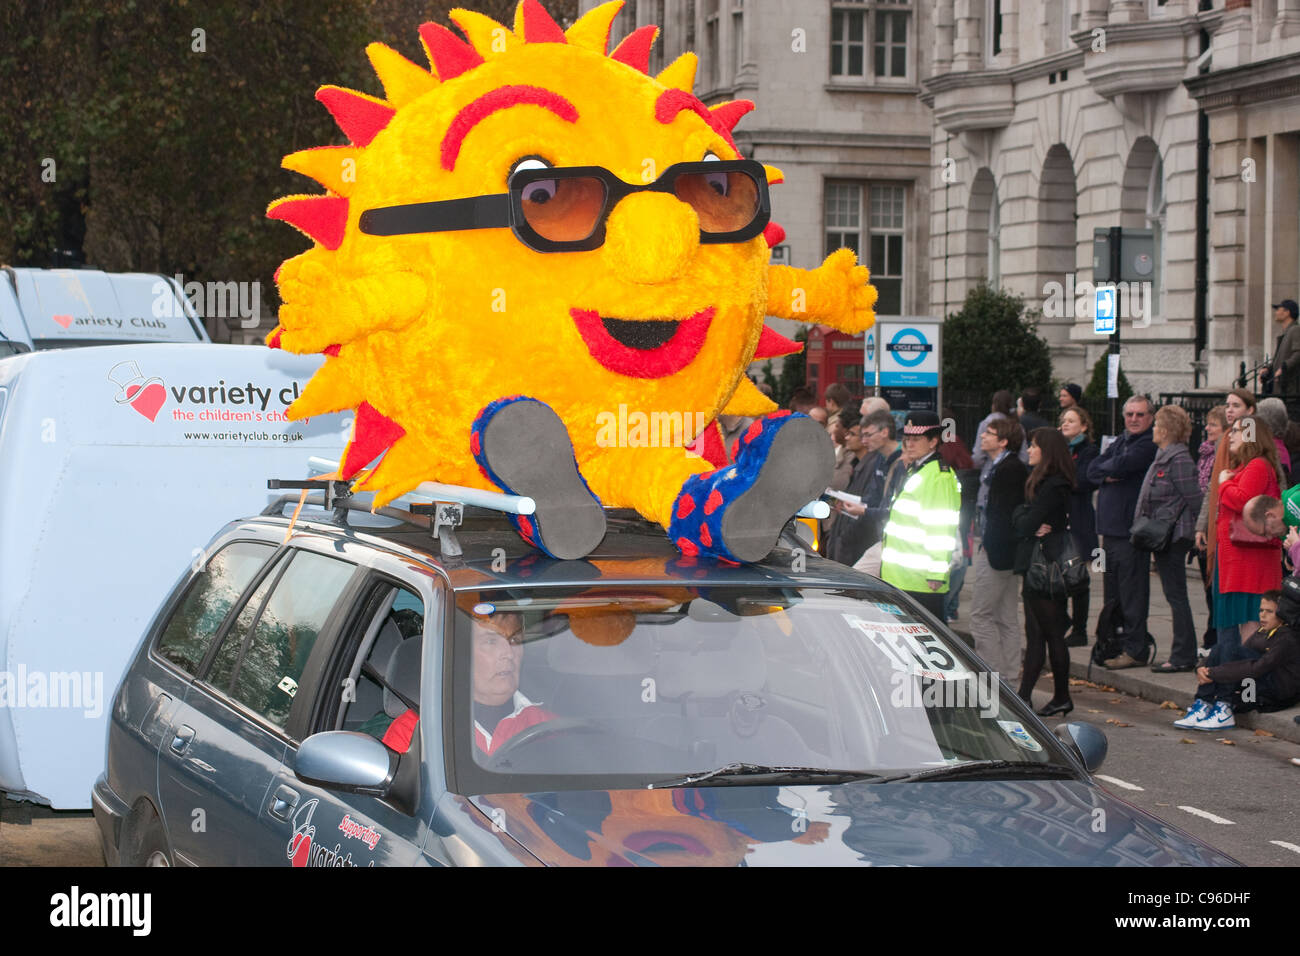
[921, 534]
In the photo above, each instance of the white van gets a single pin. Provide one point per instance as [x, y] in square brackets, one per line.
[117, 464]
[65, 308]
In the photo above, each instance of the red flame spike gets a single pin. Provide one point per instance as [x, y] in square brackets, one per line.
[324, 218]
[360, 117]
[729, 114]
[332, 350]
[774, 233]
[772, 344]
[635, 48]
[273, 340]
[374, 433]
[538, 25]
[449, 55]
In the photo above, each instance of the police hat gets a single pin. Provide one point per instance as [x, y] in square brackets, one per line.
[923, 423]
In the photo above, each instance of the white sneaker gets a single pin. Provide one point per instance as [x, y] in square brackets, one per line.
[1219, 718]
[1199, 708]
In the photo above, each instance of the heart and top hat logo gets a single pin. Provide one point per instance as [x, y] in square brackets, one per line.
[146, 396]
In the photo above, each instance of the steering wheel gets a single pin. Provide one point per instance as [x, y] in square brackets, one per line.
[559, 725]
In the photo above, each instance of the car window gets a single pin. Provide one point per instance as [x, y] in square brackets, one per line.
[209, 598]
[581, 687]
[265, 655]
[388, 670]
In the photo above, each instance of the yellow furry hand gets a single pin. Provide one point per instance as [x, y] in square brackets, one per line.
[322, 309]
[844, 295]
[837, 293]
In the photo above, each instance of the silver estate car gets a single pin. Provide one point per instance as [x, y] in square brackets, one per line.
[353, 689]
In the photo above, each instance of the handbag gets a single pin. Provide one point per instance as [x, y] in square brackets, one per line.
[1154, 534]
[1243, 537]
[1057, 577]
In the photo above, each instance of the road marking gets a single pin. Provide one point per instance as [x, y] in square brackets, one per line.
[1213, 818]
[1118, 782]
[1286, 846]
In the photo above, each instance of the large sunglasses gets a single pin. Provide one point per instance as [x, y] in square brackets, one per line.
[564, 209]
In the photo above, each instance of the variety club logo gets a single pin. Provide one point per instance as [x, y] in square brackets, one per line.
[303, 850]
[146, 396]
[249, 402]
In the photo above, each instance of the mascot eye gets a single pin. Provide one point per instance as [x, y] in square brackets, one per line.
[720, 183]
[539, 192]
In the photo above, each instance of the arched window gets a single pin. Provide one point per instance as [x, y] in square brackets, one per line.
[1155, 221]
[994, 246]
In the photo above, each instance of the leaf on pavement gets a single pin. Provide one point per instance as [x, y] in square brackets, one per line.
[1169, 705]
[1117, 723]
[1186, 741]
[1226, 742]
[1265, 733]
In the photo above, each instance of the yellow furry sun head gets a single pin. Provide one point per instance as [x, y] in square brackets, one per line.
[424, 328]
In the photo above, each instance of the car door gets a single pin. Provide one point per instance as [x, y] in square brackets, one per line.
[229, 737]
[156, 683]
[382, 643]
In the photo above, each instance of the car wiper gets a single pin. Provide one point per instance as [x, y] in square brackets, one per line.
[744, 774]
[1002, 769]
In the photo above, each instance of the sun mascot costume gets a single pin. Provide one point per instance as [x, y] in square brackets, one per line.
[535, 232]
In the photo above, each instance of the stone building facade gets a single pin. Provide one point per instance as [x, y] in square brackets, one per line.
[837, 85]
[1054, 118]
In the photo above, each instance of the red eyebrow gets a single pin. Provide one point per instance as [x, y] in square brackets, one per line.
[500, 99]
[672, 102]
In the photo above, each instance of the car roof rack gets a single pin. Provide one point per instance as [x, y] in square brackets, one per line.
[436, 507]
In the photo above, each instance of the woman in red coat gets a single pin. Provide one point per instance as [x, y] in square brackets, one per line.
[1244, 571]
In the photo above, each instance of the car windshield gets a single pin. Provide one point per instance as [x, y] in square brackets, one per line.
[604, 688]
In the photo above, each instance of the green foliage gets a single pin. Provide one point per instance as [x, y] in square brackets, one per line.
[794, 371]
[167, 142]
[993, 343]
[1096, 390]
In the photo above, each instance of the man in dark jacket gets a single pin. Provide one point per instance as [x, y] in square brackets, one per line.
[1283, 374]
[865, 522]
[842, 539]
[1118, 473]
[994, 625]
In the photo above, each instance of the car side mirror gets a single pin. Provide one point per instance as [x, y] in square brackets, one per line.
[1087, 742]
[347, 761]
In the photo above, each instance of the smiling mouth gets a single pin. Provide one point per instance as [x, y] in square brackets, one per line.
[643, 348]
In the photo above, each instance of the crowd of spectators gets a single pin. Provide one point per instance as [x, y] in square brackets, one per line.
[1032, 490]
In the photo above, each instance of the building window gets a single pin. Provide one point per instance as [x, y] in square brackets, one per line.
[711, 43]
[886, 259]
[891, 44]
[843, 217]
[994, 245]
[624, 23]
[1156, 206]
[848, 41]
[994, 27]
[1056, 29]
[737, 37]
[882, 248]
[870, 38]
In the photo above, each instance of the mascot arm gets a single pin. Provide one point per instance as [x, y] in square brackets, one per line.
[837, 293]
[321, 308]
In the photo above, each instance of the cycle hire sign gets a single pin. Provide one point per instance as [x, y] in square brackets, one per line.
[909, 354]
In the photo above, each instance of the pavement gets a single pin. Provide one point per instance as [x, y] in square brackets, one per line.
[1140, 681]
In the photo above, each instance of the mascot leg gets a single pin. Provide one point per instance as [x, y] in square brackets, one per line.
[524, 449]
[737, 513]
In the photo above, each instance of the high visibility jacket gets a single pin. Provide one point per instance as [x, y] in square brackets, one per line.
[921, 533]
